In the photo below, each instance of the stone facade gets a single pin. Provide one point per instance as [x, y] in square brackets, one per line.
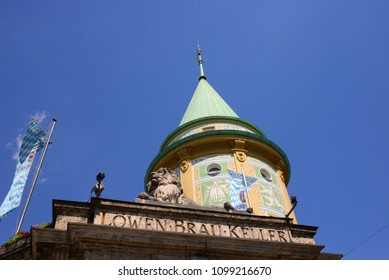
[108, 229]
[18, 250]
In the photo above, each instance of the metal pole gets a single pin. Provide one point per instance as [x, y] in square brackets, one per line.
[294, 202]
[245, 184]
[200, 61]
[290, 211]
[38, 169]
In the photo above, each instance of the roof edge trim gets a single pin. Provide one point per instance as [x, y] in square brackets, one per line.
[188, 124]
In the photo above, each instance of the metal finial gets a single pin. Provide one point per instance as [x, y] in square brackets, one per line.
[99, 187]
[200, 61]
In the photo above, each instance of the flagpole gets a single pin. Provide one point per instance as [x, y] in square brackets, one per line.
[245, 185]
[38, 169]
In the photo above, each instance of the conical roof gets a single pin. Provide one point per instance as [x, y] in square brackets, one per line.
[206, 102]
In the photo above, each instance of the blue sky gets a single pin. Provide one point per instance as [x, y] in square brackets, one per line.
[118, 76]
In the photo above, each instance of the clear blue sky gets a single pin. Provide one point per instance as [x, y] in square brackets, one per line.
[118, 76]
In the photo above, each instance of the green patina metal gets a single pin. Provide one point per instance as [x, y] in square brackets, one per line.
[206, 102]
[213, 118]
[220, 132]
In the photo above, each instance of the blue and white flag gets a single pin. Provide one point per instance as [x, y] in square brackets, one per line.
[34, 140]
[238, 190]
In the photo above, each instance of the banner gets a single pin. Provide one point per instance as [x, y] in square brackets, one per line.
[238, 189]
[34, 140]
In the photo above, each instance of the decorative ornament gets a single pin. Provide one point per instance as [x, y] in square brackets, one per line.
[184, 165]
[241, 156]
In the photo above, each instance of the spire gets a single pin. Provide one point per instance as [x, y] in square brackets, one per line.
[206, 102]
[200, 61]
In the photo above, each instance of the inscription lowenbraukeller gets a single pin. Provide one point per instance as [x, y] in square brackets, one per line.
[182, 226]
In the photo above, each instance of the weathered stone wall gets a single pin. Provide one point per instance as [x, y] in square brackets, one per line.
[108, 229]
[18, 250]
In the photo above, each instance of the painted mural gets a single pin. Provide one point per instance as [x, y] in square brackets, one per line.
[211, 179]
[213, 187]
[271, 199]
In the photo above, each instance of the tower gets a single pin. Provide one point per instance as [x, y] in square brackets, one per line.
[220, 158]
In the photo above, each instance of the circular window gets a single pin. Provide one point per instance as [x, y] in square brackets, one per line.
[214, 169]
[266, 175]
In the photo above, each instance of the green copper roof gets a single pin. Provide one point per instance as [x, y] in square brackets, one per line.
[206, 102]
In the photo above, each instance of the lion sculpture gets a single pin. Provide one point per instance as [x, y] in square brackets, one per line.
[164, 186]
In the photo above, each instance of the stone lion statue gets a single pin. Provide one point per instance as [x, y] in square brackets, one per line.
[164, 186]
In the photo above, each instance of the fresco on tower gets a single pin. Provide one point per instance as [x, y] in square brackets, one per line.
[211, 180]
[270, 194]
[213, 186]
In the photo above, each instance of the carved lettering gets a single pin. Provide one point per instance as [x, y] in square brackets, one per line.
[119, 221]
[170, 225]
[149, 224]
[224, 231]
[272, 235]
[103, 218]
[281, 234]
[182, 226]
[255, 233]
[261, 235]
[135, 221]
[191, 228]
[233, 232]
[159, 225]
[246, 232]
[203, 229]
[216, 230]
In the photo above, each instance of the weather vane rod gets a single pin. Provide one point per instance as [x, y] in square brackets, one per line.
[200, 61]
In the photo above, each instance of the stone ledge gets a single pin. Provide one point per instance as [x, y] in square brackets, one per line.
[18, 250]
[180, 218]
[111, 229]
[99, 242]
